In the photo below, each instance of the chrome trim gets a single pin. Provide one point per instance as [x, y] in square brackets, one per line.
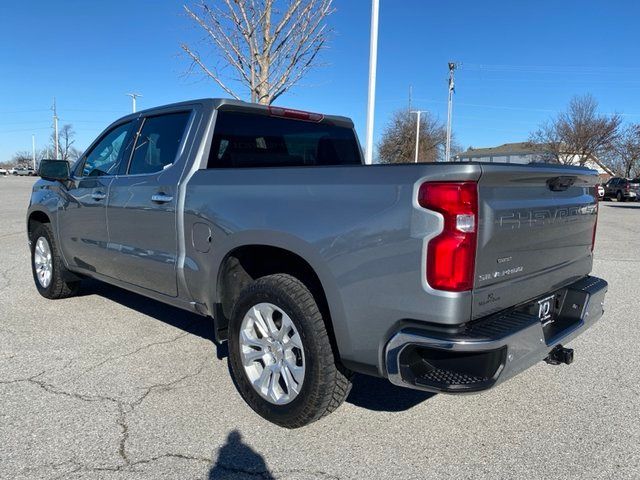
[98, 196]
[525, 347]
[161, 198]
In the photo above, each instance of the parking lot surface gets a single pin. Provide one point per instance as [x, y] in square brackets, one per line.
[112, 385]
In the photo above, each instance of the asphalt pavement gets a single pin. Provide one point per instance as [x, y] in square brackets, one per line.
[112, 385]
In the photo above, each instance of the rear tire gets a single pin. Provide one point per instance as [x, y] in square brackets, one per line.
[619, 197]
[49, 273]
[323, 384]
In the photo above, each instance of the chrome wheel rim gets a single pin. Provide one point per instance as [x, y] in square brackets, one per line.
[272, 353]
[43, 262]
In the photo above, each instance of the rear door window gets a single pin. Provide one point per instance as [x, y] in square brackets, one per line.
[244, 140]
[158, 142]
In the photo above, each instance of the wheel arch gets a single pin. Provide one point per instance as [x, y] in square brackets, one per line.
[247, 262]
[36, 217]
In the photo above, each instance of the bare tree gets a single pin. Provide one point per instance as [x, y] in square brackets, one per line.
[624, 158]
[398, 141]
[22, 159]
[269, 45]
[66, 141]
[580, 133]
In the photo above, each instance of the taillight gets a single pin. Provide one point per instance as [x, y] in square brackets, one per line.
[451, 256]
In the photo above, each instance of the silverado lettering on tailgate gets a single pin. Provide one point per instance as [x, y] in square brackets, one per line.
[515, 219]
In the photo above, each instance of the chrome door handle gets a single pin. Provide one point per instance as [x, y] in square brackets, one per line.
[161, 198]
[98, 196]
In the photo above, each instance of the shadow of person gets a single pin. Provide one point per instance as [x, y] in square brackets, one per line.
[378, 394]
[237, 460]
[176, 317]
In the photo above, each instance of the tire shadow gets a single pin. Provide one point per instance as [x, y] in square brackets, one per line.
[380, 395]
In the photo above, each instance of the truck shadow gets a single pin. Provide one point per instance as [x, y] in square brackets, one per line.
[372, 393]
[176, 317]
[380, 395]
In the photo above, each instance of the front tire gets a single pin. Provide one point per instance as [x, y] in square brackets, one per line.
[49, 272]
[280, 355]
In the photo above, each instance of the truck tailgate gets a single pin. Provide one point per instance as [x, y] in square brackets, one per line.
[536, 227]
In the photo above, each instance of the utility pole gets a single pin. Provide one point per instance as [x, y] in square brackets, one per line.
[373, 61]
[410, 96]
[447, 151]
[133, 100]
[55, 129]
[33, 149]
[418, 113]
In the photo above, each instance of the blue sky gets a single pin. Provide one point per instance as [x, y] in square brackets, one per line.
[521, 62]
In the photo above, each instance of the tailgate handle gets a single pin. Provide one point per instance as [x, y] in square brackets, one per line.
[560, 184]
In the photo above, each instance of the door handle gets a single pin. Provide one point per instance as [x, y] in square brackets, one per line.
[161, 198]
[97, 196]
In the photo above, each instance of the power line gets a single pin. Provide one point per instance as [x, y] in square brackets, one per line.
[551, 69]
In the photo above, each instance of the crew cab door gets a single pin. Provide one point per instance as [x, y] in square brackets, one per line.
[82, 221]
[141, 213]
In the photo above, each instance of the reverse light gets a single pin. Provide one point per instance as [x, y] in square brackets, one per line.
[451, 256]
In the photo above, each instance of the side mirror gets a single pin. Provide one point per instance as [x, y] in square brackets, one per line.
[54, 170]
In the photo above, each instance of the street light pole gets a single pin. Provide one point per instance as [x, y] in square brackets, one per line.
[452, 89]
[373, 60]
[55, 130]
[133, 100]
[33, 149]
[418, 113]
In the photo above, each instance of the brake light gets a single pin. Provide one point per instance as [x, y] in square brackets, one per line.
[295, 114]
[451, 256]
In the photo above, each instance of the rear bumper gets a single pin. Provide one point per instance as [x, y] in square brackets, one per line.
[490, 350]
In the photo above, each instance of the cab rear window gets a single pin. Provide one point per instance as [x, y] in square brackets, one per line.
[244, 140]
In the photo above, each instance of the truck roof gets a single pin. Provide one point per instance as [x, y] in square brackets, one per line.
[235, 105]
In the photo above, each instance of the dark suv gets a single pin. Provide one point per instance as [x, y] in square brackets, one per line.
[622, 189]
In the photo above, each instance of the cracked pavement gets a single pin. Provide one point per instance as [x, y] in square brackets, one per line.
[112, 385]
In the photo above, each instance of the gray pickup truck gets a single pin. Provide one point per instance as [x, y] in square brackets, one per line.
[441, 277]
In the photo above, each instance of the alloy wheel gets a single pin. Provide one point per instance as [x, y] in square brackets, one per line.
[272, 353]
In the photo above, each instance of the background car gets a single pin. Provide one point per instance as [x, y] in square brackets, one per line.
[4, 171]
[24, 171]
[600, 191]
[622, 189]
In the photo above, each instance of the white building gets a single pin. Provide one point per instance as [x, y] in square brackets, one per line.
[522, 153]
